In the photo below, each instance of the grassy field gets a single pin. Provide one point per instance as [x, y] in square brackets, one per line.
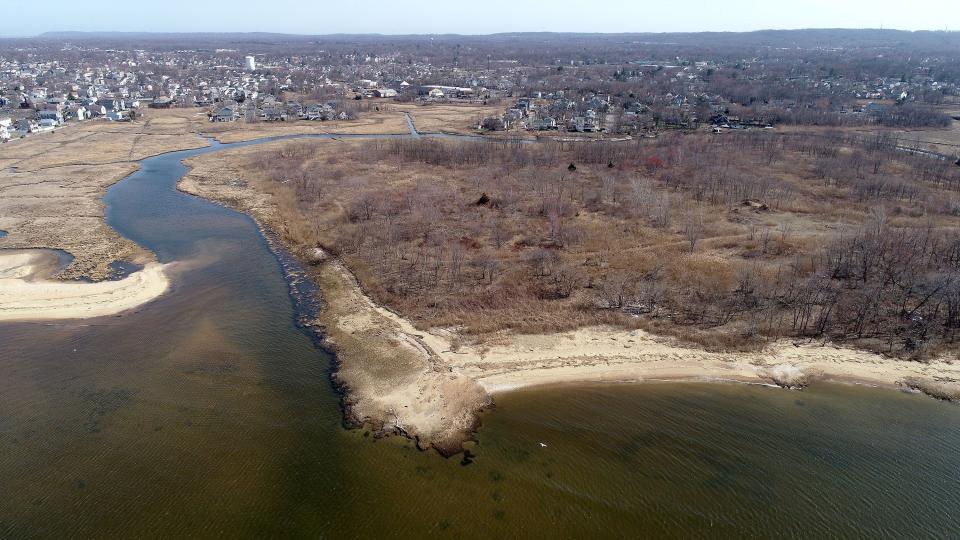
[448, 118]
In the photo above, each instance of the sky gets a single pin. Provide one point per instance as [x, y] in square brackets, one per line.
[480, 16]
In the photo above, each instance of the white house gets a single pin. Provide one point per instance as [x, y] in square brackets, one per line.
[118, 116]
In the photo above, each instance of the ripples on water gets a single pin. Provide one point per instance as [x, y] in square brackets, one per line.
[209, 414]
[728, 459]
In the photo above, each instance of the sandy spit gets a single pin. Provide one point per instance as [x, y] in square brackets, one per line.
[614, 355]
[27, 294]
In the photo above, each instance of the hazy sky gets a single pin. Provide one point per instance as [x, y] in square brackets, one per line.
[479, 16]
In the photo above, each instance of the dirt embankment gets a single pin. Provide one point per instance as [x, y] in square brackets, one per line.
[391, 377]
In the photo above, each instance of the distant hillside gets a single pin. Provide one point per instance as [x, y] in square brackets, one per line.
[167, 36]
[827, 37]
[806, 39]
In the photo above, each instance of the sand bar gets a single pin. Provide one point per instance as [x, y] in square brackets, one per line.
[27, 294]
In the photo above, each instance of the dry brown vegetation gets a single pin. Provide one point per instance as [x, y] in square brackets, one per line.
[51, 185]
[379, 117]
[447, 118]
[727, 241]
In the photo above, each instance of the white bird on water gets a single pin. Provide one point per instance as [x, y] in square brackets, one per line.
[542, 445]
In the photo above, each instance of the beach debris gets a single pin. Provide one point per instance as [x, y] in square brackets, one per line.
[788, 376]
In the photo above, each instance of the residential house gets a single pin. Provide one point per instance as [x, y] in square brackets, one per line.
[26, 125]
[224, 114]
[78, 112]
[251, 113]
[161, 102]
[110, 104]
[317, 111]
[54, 115]
[584, 123]
[543, 124]
[95, 110]
[511, 116]
[274, 113]
[294, 109]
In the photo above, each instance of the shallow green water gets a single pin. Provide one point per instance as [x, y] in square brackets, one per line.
[210, 414]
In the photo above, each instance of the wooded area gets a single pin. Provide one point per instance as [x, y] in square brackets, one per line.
[726, 241]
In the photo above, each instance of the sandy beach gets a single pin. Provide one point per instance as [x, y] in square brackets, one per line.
[26, 293]
[506, 362]
[611, 354]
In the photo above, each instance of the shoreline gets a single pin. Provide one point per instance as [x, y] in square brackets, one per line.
[604, 354]
[390, 374]
[398, 379]
[502, 389]
[389, 380]
[426, 384]
[27, 292]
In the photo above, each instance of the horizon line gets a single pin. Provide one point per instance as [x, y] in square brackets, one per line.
[81, 33]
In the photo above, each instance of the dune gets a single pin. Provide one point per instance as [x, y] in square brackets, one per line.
[26, 293]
